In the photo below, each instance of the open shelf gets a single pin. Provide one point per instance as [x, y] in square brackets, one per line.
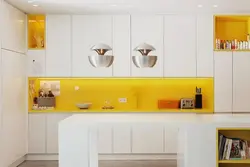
[236, 134]
[36, 32]
[231, 33]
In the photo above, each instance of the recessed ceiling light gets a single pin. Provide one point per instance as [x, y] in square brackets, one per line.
[35, 5]
[215, 6]
[199, 6]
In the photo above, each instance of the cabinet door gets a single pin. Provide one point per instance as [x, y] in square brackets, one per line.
[105, 139]
[205, 56]
[180, 46]
[147, 29]
[121, 46]
[58, 53]
[88, 31]
[36, 63]
[37, 134]
[52, 131]
[241, 81]
[122, 138]
[171, 139]
[223, 78]
[147, 138]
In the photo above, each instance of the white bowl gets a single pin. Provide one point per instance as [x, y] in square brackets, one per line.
[83, 105]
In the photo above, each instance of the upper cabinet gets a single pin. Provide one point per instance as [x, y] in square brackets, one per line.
[241, 81]
[180, 46]
[232, 32]
[14, 21]
[147, 29]
[205, 54]
[87, 31]
[58, 52]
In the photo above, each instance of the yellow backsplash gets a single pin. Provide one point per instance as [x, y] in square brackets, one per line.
[142, 93]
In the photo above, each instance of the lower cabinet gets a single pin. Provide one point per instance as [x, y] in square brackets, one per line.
[113, 138]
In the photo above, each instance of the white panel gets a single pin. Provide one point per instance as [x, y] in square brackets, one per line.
[241, 81]
[52, 131]
[171, 139]
[37, 133]
[223, 68]
[36, 63]
[180, 46]
[87, 31]
[205, 56]
[121, 46]
[13, 36]
[122, 138]
[58, 53]
[148, 29]
[147, 138]
[105, 139]
[14, 116]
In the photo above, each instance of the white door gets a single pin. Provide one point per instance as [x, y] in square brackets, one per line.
[121, 46]
[52, 131]
[205, 56]
[147, 138]
[58, 47]
[241, 81]
[122, 138]
[36, 63]
[223, 78]
[147, 29]
[171, 138]
[180, 46]
[87, 31]
[37, 133]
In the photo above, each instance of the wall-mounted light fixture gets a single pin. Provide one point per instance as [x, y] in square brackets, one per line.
[144, 60]
[101, 60]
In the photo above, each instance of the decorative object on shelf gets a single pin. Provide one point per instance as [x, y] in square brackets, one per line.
[144, 60]
[187, 103]
[168, 104]
[198, 98]
[101, 60]
[83, 106]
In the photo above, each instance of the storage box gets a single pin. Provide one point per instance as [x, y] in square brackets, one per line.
[168, 104]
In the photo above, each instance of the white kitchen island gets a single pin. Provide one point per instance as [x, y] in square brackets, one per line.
[78, 135]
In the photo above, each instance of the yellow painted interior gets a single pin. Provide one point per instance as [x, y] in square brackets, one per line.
[241, 133]
[142, 93]
[231, 27]
[36, 31]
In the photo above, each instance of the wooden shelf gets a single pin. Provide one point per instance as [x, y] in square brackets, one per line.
[231, 50]
[36, 32]
[241, 161]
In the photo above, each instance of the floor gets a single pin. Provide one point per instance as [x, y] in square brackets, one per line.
[159, 163]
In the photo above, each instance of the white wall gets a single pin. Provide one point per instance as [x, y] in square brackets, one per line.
[13, 113]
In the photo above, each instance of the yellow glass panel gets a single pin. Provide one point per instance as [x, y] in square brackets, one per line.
[36, 31]
[142, 93]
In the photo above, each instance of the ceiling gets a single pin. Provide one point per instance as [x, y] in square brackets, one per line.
[131, 6]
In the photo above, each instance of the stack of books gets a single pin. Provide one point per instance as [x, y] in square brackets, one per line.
[233, 148]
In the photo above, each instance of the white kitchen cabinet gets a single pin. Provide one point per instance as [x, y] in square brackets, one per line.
[147, 29]
[171, 139]
[36, 63]
[58, 47]
[223, 78]
[87, 31]
[205, 56]
[147, 138]
[105, 139]
[52, 131]
[122, 139]
[121, 46]
[241, 81]
[13, 31]
[37, 134]
[180, 46]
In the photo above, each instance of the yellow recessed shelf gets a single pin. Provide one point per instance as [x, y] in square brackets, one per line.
[36, 32]
[231, 28]
[240, 133]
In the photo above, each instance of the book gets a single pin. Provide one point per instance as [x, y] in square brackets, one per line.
[235, 150]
